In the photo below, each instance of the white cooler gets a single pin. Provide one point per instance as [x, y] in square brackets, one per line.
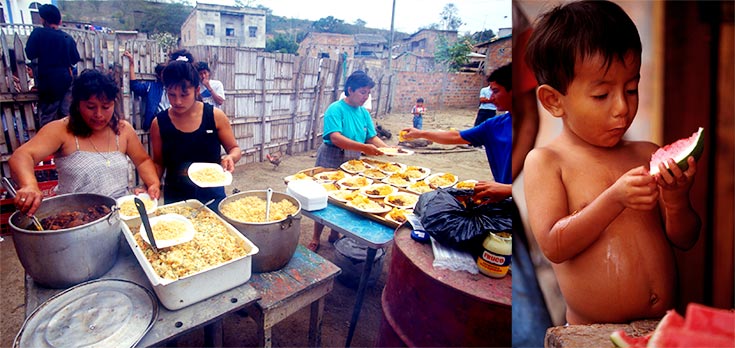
[311, 195]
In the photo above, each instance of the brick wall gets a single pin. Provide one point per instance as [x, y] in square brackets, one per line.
[440, 90]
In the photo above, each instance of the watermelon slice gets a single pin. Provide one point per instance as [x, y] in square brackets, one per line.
[714, 321]
[621, 339]
[683, 338]
[671, 322]
[679, 150]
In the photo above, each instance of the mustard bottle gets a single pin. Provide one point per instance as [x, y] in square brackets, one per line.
[495, 259]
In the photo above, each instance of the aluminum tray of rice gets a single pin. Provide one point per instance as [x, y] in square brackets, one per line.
[218, 259]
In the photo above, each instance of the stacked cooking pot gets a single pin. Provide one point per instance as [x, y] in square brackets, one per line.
[66, 257]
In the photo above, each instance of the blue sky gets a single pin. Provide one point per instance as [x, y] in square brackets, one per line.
[410, 14]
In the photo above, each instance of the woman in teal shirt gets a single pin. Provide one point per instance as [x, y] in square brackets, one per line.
[348, 132]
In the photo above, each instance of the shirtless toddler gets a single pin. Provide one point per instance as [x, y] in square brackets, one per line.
[604, 222]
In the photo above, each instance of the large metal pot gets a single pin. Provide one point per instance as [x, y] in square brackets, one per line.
[276, 240]
[63, 258]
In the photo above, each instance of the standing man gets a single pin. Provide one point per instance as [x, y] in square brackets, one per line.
[56, 53]
[212, 91]
[487, 109]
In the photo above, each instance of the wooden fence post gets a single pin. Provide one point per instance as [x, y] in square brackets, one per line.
[261, 61]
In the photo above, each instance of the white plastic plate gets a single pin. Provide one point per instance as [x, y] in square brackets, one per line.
[354, 182]
[395, 151]
[134, 213]
[186, 235]
[403, 195]
[390, 189]
[200, 166]
[432, 177]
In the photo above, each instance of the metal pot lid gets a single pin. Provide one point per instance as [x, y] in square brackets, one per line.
[98, 313]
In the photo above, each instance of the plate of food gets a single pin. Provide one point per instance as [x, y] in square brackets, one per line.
[354, 166]
[377, 190]
[372, 162]
[297, 176]
[398, 179]
[367, 205]
[416, 172]
[398, 215]
[442, 180]
[330, 186]
[354, 182]
[331, 176]
[128, 210]
[205, 174]
[343, 195]
[401, 200]
[169, 230]
[395, 151]
[419, 187]
[374, 173]
[391, 167]
[466, 185]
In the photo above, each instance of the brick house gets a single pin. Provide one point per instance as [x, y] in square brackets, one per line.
[370, 46]
[424, 42]
[498, 52]
[327, 45]
[219, 25]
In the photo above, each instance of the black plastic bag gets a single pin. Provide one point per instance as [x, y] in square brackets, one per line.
[462, 226]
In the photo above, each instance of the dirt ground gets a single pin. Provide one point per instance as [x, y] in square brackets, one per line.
[467, 163]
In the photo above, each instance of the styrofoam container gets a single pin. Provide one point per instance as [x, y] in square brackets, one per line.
[311, 195]
[177, 294]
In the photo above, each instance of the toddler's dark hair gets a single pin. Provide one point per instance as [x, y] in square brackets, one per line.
[91, 83]
[358, 79]
[420, 100]
[569, 33]
[180, 73]
[502, 76]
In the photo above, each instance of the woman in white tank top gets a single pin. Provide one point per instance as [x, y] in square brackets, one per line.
[91, 147]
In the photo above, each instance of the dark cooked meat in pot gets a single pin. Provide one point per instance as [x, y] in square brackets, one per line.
[70, 219]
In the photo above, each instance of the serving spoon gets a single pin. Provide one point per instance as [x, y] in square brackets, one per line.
[11, 191]
[268, 195]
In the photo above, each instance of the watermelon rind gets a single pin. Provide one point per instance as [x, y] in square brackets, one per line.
[694, 149]
[618, 340]
[671, 321]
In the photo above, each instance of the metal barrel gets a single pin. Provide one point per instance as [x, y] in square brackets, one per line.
[423, 306]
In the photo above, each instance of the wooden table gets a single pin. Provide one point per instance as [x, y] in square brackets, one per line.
[365, 231]
[305, 280]
[169, 324]
[594, 335]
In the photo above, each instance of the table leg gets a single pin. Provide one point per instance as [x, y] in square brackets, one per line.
[315, 323]
[213, 334]
[361, 293]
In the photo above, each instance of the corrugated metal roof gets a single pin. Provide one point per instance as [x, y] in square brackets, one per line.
[370, 39]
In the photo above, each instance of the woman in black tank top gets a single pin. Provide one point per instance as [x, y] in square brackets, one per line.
[190, 131]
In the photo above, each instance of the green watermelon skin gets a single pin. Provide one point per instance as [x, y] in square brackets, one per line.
[621, 340]
[671, 322]
[670, 151]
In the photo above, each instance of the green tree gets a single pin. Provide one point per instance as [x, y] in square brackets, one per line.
[453, 56]
[281, 43]
[450, 18]
[482, 36]
[167, 40]
[328, 25]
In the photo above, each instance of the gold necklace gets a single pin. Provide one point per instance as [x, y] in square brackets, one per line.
[107, 142]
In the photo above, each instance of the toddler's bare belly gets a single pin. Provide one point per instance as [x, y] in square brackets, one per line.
[624, 276]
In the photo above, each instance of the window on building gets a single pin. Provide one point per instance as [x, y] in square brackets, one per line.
[209, 28]
[253, 31]
[229, 31]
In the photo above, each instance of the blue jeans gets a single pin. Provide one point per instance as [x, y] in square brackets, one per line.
[418, 122]
[530, 315]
